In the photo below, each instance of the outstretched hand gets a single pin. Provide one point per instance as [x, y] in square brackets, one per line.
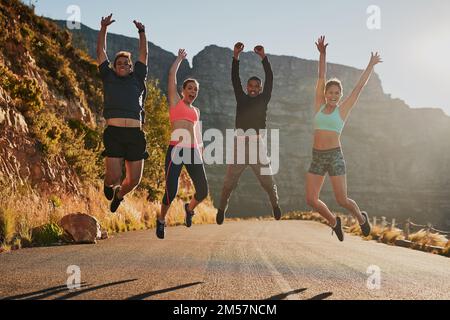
[238, 48]
[259, 50]
[375, 59]
[139, 25]
[182, 54]
[107, 21]
[321, 45]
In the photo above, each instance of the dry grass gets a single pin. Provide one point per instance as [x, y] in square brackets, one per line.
[307, 216]
[23, 211]
[7, 221]
[385, 235]
[354, 229]
[376, 232]
[389, 235]
[447, 249]
[431, 239]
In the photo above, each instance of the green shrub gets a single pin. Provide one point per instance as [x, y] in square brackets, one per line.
[25, 90]
[7, 225]
[157, 129]
[92, 138]
[24, 232]
[55, 201]
[47, 234]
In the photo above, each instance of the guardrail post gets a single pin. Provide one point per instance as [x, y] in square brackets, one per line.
[393, 224]
[383, 222]
[406, 230]
[429, 226]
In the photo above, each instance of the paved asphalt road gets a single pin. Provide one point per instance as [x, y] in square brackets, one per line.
[238, 260]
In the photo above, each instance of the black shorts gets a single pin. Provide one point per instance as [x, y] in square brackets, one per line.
[125, 143]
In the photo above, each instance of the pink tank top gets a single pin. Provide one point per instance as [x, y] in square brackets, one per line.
[183, 112]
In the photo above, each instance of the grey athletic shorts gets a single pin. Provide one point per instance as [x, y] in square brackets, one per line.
[331, 161]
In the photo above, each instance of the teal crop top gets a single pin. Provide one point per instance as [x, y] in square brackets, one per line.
[329, 122]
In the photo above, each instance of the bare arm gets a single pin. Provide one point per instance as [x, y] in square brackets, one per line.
[174, 97]
[320, 87]
[101, 41]
[143, 44]
[351, 100]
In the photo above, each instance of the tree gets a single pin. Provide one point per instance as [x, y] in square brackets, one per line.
[157, 133]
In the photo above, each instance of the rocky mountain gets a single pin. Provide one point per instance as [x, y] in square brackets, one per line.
[398, 158]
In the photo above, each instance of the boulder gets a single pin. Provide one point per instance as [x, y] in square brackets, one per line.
[83, 228]
[105, 235]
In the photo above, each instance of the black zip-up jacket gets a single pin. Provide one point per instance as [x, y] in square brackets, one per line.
[251, 113]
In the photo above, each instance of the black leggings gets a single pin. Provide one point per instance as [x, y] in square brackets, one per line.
[176, 157]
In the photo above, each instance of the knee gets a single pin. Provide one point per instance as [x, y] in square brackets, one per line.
[133, 182]
[342, 201]
[229, 185]
[312, 202]
[269, 184]
[112, 178]
[136, 181]
[201, 194]
[167, 199]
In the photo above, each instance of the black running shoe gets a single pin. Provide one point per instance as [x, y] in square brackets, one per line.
[365, 227]
[277, 213]
[115, 203]
[160, 232]
[108, 191]
[220, 217]
[189, 215]
[338, 229]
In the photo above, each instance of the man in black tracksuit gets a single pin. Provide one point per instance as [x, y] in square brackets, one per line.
[251, 113]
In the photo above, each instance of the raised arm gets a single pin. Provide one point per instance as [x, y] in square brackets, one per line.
[174, 97]
[268, 81]
[320, 87]
[101, 41]
[143, 44]
[351, 100]
[235, 77]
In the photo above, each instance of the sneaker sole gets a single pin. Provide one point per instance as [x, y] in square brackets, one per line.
[367, 221]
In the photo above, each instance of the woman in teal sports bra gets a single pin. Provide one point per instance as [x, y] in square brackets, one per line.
[329, 120]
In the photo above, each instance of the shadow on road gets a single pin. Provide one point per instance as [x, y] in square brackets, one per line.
[282, 296]
[46, 293]
[322, 296]
[73, 293]
[156, 292]
[41, 294]
[285, 295]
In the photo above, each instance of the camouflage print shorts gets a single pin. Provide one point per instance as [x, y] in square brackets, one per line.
[331, 161]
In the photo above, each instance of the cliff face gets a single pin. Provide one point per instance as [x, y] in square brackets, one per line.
[21, 161]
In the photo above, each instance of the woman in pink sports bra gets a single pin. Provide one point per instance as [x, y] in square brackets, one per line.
[185, 147]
